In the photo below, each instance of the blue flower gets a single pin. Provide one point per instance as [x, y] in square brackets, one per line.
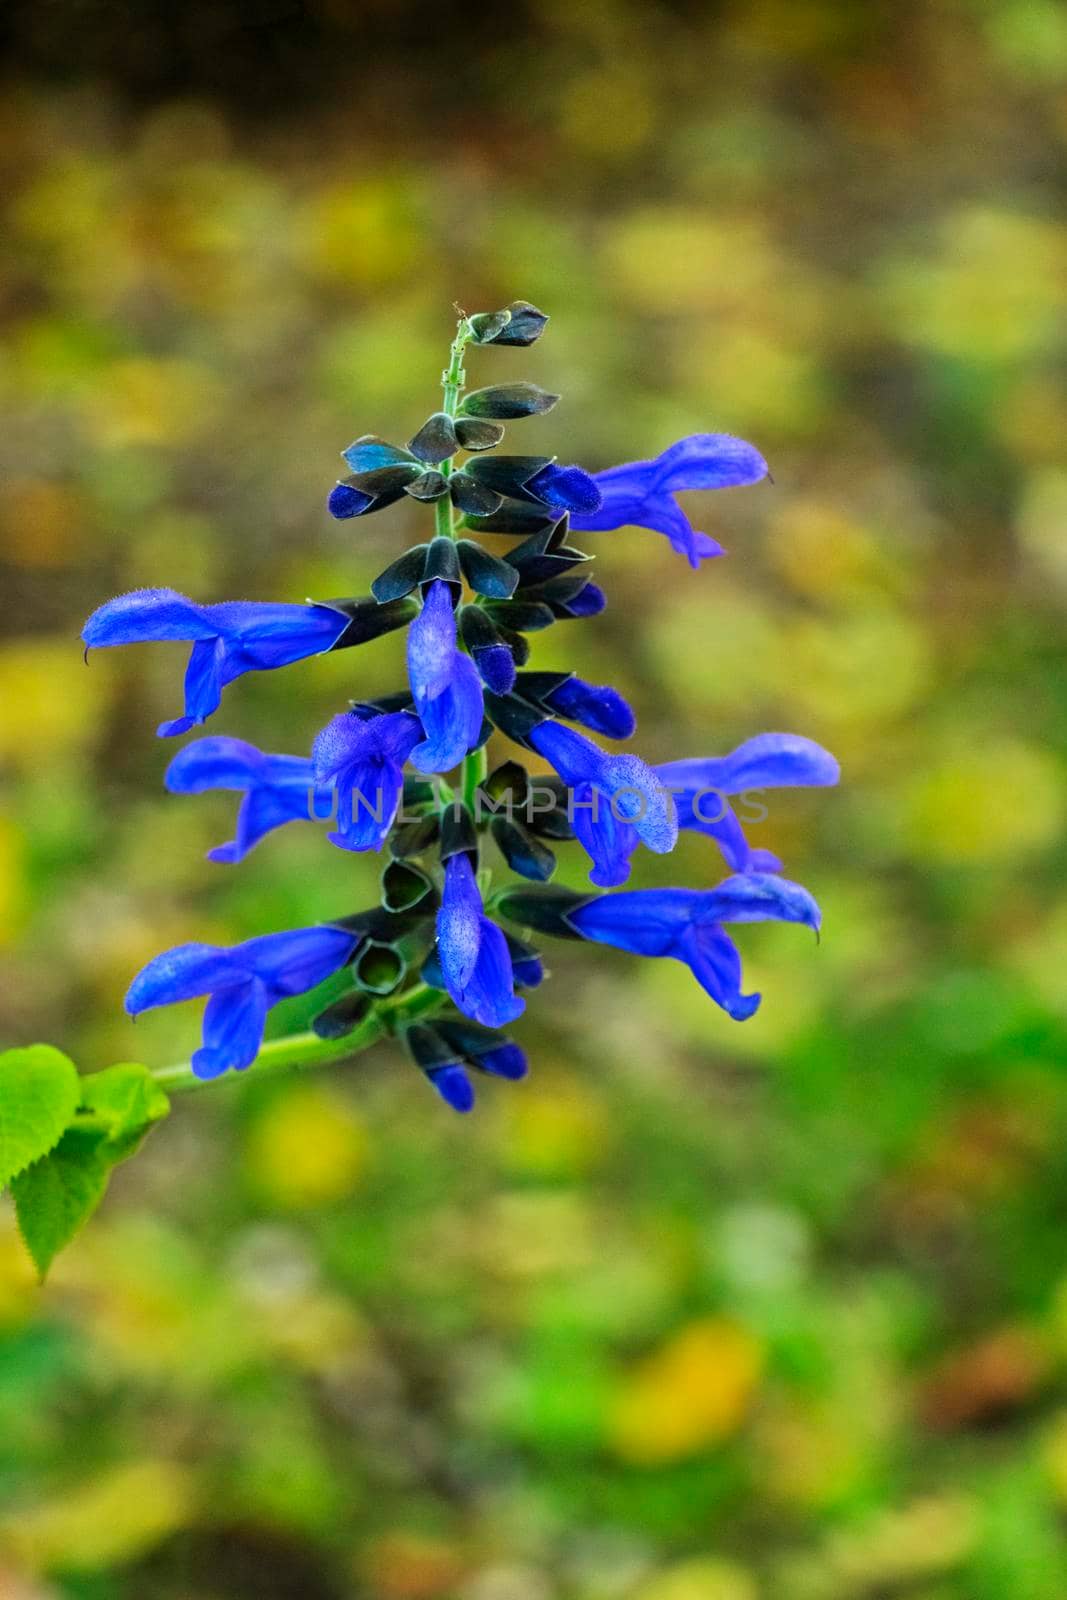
[277, 789]
[473, 952]
[687, 924]
[768, 761]
[444, 683]
[364, 758]
[615, 801]
[641, 493]
[596, 706]
[235, 637]
[243, 982]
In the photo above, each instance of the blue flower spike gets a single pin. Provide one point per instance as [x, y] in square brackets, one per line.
[402, 773]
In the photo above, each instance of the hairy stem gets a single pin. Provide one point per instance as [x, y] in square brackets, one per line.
[452, 380]
[308, 1050]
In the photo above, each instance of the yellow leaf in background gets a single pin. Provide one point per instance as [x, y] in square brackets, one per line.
[306, 1148]
[365, 232]
[41, 524]
[13, 897]
[986, 805]
[665, 258]
[825, 555]
[118, 1514]
[561, 1131]
[141, 401]
[582, 118]
[704, 1578]
[52, 704]
[861, 668]
[1056, 1457]
[689, 1395]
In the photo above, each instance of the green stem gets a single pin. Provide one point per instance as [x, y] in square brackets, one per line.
[308, 1050]
[452, 380]
[475, 768]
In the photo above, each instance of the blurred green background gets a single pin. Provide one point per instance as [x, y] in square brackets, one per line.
[701, 1311]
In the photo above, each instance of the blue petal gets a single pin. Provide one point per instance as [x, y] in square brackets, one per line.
[452, 720]
[708, 812]
[647, 922]
[297, 959]
[506, 1061]
[264, 809]
[233, 1029]
[595, 706]
[459, 924]
[345, 501]
[367, 801]
[638, 797]
[708, 461]
[566, 489]
[608, 841]
[147, 614]
[588, 602]
[496, 668]
[216, 763]
[432, 644]
[713, 959]
[453, 1085]
[203, 686]
[759, 897]
[267, 634]
[768, 761]
[184, 973]
[489, 997]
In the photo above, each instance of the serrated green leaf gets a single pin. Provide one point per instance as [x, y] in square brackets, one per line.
[59, 1193]
[125, 1100]
[39, 1094]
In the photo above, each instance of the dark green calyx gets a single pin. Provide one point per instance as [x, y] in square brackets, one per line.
[383, 484]
[544, 909]
[487, 326]
[516, 517]
[401, 576]
[487, 574]
[427, 1048]
[506, 401]
[378, 968]
[514, 717]
[442, 564]
[400, 701]
[474, 434]
[344, 1015]
[525, 324]
[471, 497]
[414, 838]
[523, 853]
[404, 887]
[509, 475]
[368, 619]
[508, 784]
[428, 486]
[435, 440]
[459, 836]
[524, 616]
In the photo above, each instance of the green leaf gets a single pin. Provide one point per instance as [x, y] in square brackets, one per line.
[58, 1194]
[39, 1094]
[126, 1100]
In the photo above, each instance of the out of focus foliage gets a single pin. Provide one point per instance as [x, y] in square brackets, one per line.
[702, 1311]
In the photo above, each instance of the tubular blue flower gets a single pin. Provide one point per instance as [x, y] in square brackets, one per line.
[641, 493]
[473, 952]
[364, 759]
[243, 982]
[687, 925]
[615, 801]
[768, 761]
[235, 637]
[444, 683]
[595, 706]
[277, 789]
